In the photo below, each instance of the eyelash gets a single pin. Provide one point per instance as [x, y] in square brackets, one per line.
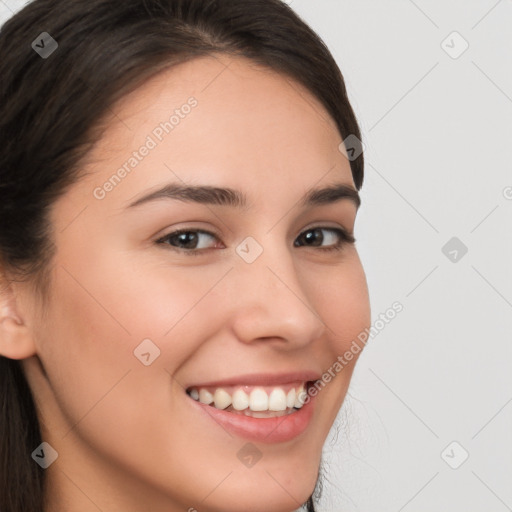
[345, 238]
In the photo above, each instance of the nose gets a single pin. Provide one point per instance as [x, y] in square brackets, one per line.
[270, 303]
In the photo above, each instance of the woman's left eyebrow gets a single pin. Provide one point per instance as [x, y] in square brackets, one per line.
[221, 196]
[331, 194]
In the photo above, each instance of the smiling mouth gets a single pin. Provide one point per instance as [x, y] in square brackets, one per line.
[253, 401]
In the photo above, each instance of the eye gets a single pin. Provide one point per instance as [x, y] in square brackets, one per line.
[188, 240]
[196, 241]
[336, 238]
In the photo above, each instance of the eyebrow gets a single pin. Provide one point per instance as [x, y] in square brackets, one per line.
[204, 194]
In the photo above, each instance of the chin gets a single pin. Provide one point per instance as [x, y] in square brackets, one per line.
[263, 489]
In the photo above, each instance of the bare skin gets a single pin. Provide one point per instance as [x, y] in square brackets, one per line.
[127, 436]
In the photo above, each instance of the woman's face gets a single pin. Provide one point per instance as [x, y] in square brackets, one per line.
[249, 294]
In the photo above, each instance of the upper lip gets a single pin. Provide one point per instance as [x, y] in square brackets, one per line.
[262, 379]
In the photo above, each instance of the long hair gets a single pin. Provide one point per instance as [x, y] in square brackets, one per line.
[52, 112]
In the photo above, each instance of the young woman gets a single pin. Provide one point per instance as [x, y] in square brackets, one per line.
[179, 279]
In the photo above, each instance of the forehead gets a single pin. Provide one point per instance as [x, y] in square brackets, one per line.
[220, 119]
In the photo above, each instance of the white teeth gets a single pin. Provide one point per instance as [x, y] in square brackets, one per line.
[290, 398]
[205, 397]
[300, 397]
[240, 400]
[222, 399]
[277, 400]
[258, 400]
[267, 414]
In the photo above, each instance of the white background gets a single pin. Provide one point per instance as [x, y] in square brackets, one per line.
[438, 136]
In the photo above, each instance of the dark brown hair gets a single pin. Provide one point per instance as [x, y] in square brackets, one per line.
[52, 113]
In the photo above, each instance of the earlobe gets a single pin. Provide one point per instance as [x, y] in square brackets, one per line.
[16, 341]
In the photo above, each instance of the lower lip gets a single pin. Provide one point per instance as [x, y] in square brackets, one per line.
[265, 430]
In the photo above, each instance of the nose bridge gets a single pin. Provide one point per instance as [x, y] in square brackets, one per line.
[270, 300]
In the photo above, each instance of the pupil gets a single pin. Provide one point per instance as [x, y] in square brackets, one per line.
[314, 235]
[192, 239]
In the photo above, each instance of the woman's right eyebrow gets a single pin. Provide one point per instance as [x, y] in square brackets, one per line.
[223, 196]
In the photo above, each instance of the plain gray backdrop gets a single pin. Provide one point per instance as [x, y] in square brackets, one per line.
[427, 423]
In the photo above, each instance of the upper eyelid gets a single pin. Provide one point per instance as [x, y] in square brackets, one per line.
[187, 230]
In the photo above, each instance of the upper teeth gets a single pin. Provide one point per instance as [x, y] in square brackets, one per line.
[257, 400]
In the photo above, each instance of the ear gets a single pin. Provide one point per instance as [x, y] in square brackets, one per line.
[16, 341]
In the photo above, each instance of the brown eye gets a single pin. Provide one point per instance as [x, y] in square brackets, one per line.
[189, 240]
[315, 237]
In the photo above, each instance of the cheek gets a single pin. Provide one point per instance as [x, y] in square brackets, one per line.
[340, 297]
[85, 346]
[98, 317]
[107, 304]
[126, 294]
